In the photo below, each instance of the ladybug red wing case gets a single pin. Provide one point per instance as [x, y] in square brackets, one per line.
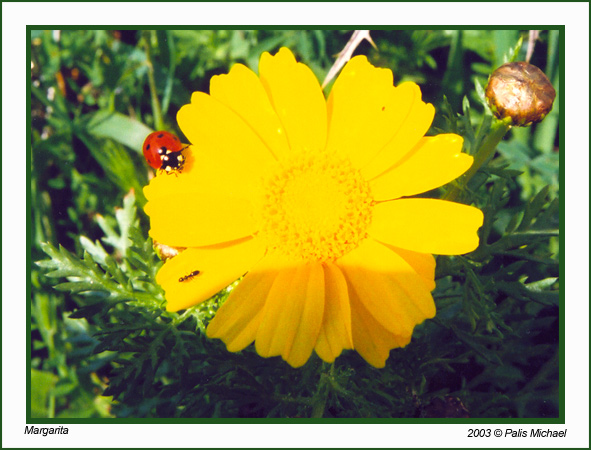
[163, 151]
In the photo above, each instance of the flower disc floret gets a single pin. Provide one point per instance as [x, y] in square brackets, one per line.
[316, 207]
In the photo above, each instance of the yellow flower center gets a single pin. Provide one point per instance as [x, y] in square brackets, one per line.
[317, 207]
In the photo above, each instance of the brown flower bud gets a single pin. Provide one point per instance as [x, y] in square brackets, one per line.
[519, 92]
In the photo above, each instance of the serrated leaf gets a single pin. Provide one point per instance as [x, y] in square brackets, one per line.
[511, 271]
[137, 263]
[520, 238]
[80, 286]
[483, 130]
[49, 249]
[87, 311]
[533, 208]
[64, 263]
[126, 217]
[480, 93]
[512, 174]
[512, 225]
[112, 341]
[46, 264]
[541, 285]
[518, 291]
[471, 341]
[549, 217]
[450, 117]
[95, 250]
[122, 296]
[112, 237]
[497, 193]
[115, 271]
[114, 390]
[513, 53]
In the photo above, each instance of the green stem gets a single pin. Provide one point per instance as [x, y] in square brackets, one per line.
[487, 149]
[51, 407]
[156, 110]
[318, 409]
[321, 397]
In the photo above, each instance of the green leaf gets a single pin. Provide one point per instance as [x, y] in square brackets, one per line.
[88, 311]
[504, 49]
[64, 387]
[519, 291]
[62, 261]
[480, 93]
[126, 218]
[467, 120]
[549, 218]
[533, 208]
[541, 285]
[43, 383]
[472, 341]
[507, 375]
[80, 286]
[512, 225]
[120, 128]
[95, 250]
[513, 53]
[449, 115]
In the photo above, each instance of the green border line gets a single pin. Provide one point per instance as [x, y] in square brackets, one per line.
[419, 421]
[29, 231]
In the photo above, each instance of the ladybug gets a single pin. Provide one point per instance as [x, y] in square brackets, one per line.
[164, 151]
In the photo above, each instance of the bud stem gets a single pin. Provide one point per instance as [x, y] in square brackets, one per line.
[486, 150]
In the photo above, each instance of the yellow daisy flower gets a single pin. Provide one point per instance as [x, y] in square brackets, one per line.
[308, 198]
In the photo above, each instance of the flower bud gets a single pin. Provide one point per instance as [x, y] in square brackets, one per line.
[520, 93]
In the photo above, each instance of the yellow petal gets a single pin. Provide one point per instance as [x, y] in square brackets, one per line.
[271, 335]
[228, 142]
[242, 91]
[210, 201]
[371, 340]
[297, 98]
[406, 133]
[204, 173]
[311, 319]
[422, 263]
[434, 162]
[217, 267]
[335, 333]
[427, 225]
[363, 108]
[292, 315]
[389, 288]
[189, 219]
[238, 319]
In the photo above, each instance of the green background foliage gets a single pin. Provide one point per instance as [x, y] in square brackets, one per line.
[102, 344]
